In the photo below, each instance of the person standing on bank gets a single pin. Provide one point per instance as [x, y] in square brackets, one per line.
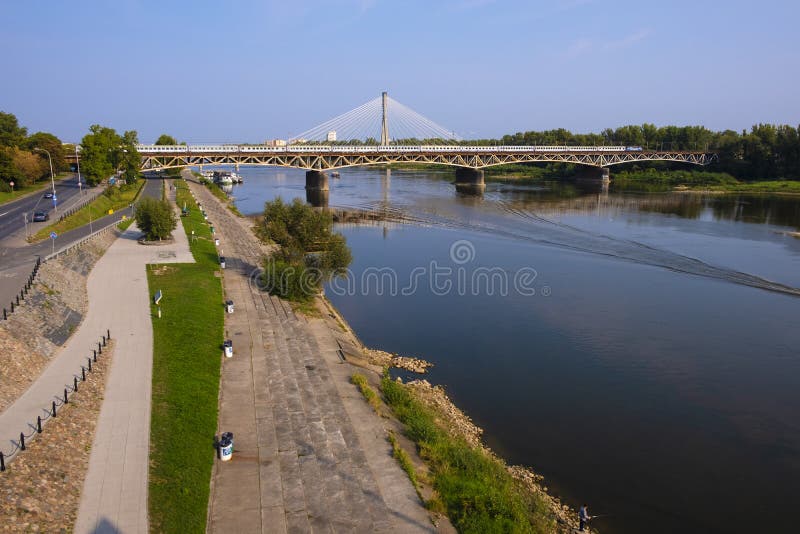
[583, 516]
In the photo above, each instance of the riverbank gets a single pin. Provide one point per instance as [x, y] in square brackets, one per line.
[475, 487]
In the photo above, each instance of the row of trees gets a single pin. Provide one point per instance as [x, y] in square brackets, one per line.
[766, 152]
[103, 152]
[23, 159]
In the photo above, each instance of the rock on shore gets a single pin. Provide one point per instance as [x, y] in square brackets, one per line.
[387, 359]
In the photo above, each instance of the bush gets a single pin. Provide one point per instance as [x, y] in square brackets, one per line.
[155, 218]
[310, 251]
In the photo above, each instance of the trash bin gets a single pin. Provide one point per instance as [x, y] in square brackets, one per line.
[226, 446]
[222, 262]
[216, 241]
[227, 346]
[229, 306]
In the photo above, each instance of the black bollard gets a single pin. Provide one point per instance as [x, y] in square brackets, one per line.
[54, 408]
[5, 315]
[75, 384]
[90, 364]
[2, 462]
[83, 374]
[108, 334]
[99, 348]
[12, 306]
[95, 355]
[21, 441]
[104, 341]
[66, 399]
[17, 300]
[39, 424]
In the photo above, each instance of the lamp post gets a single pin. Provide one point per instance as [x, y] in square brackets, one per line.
[78, 162]
[52, 177]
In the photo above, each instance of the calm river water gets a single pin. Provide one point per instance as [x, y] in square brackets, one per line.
[641, 352]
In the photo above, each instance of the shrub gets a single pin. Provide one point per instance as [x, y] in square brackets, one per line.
[310, 251]
[155, 218]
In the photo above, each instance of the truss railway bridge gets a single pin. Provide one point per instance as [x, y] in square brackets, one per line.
[314, 151]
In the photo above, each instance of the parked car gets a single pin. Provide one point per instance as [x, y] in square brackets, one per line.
[41, 216]
[49, 194]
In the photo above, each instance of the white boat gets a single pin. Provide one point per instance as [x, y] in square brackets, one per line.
[223, 177]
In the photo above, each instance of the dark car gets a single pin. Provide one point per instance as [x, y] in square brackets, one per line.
[41, 216]
[49, 194]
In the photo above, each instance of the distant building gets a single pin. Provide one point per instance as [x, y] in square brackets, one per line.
[332, 136]
[275, 142]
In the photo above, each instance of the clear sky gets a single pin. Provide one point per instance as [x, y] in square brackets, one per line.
[245, 71]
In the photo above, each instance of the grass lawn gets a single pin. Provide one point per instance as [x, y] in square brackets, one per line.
[186, 368]
[96, 209]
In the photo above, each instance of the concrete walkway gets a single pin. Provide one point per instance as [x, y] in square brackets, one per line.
[310, 455]
[114, 497]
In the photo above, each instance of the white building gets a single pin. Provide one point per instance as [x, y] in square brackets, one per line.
[275, 142]
[332, 136]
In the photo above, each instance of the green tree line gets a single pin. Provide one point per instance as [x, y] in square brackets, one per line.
[103, 152]
[23, 159]
[766, 152]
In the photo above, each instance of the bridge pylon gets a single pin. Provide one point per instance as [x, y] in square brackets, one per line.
[385, 119]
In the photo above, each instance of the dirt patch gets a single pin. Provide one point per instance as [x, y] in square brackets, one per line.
[161, 270]
[41, 487]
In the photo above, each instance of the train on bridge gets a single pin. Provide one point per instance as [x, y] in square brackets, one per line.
[355, 149]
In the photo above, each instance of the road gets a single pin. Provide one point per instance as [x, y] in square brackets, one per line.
[17, 257]
[12, 221]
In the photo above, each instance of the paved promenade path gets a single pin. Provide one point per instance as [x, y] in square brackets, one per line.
[310, 455]
[114, 497]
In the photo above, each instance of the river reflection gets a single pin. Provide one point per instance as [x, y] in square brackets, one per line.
[652, 373]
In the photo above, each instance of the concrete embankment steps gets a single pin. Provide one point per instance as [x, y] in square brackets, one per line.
[303, 460]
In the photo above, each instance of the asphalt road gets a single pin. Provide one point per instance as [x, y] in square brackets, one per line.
[18, 257]
[12, 221]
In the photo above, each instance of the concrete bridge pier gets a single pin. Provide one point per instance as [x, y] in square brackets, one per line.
[600, 174]
[317, 197]
[316, 180]
[469, 180]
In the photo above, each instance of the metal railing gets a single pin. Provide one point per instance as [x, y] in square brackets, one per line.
[58, 401]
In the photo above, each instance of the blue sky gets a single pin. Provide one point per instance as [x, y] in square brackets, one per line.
[250, 70]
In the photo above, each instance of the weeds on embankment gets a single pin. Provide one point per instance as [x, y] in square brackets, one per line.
[474, 488]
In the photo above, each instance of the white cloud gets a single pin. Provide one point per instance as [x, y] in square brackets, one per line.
[628, 41]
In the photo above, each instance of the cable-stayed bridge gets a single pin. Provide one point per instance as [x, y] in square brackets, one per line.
[384, 131]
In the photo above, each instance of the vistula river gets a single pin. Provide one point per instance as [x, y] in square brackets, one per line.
[641, 351]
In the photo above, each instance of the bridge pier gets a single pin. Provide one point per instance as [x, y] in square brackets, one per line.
[316, 180]
[469, 180]
[599, 174]
[317, 197]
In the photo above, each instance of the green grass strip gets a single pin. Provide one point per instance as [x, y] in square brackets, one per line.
[369, 394]
[94, 210]
[476, 490]
[186, 370]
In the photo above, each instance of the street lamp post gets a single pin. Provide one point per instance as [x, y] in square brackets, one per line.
[52, 177]
[78, 162]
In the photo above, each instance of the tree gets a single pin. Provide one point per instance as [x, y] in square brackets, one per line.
[131, 160]
[52, 144]
[165, 139]
[309, 250]
[11, 133]
[101, 153]
[155, 218]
